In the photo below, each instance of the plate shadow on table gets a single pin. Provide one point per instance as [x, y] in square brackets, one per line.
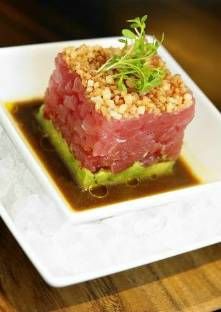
[22, 286]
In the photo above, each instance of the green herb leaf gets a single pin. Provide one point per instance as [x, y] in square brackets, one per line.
[144, 18]
[134, 65]
[128, 34]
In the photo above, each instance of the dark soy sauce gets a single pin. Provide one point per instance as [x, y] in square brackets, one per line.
[23, 115]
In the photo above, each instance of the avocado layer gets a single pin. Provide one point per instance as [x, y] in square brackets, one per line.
[89, 180]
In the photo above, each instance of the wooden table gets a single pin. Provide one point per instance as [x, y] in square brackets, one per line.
[189, 282]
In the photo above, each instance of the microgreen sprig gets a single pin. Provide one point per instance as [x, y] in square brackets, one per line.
[133, 65]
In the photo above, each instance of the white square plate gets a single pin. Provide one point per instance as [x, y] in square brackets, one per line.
[76, 236]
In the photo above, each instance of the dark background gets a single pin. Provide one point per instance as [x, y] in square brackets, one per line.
[192, 28]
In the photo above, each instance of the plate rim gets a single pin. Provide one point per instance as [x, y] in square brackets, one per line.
[25, 245]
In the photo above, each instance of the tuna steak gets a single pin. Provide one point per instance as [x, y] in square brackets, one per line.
[111, 144]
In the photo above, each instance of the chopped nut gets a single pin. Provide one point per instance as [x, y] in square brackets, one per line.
[187, 97]
[141, 110]
[166, 86]
[109, 79]
[170, 107]
[133, 109]
[172, 95]
[106, 93]
[90, 83]
[110, 103]
[96, 84]
[128, 99]
[122, 108]
[115, 115]
[97, 100]
[89, 89]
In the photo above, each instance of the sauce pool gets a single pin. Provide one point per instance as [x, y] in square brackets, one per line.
[23, 113]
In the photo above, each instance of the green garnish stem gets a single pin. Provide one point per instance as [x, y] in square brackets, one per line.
[134, 64]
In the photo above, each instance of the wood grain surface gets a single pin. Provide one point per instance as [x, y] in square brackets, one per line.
[189, 282]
